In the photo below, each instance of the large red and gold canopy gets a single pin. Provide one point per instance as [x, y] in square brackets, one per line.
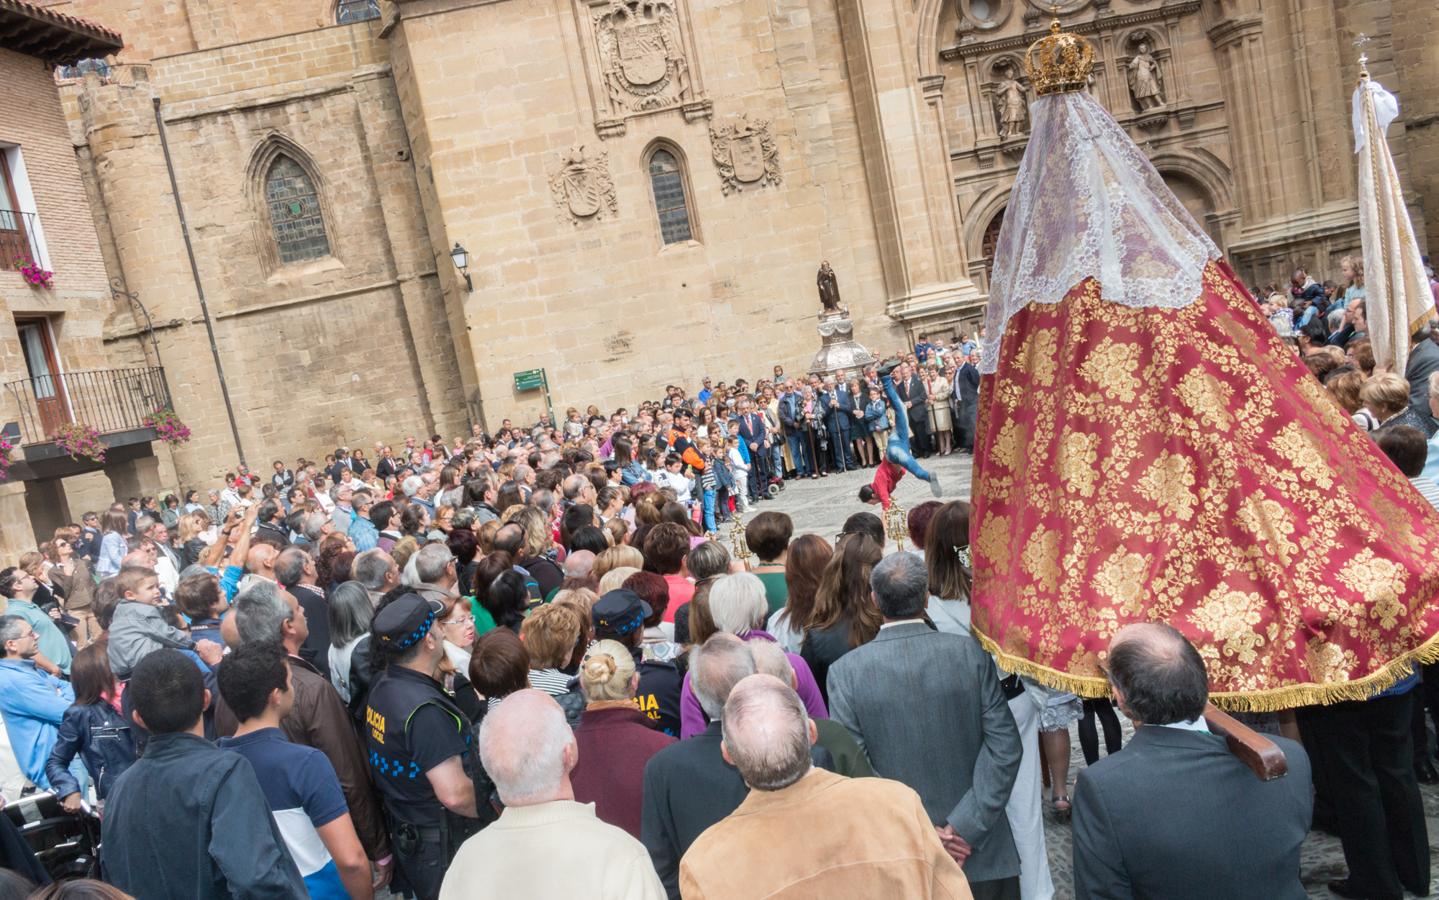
[1182, 465]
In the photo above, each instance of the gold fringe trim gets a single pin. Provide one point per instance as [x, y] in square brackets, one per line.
[1288, 697]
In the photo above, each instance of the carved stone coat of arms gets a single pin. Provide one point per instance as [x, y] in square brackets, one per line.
[642, 55]
[745, 154]
[581, 186]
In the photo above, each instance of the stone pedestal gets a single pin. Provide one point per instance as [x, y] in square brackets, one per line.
[135, 478]
[16, 533]
[838, 349]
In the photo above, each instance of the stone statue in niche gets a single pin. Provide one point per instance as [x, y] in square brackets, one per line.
[582, 188]
[642, 57]
[1011, 112]
[1146, 81]
[745, 154]
[828, 288]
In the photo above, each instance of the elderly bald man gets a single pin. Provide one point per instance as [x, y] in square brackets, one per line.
[544, 844]
[579, 564]
[1219, 832]
[806, 832]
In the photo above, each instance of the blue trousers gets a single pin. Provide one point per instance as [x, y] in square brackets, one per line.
[799, 452]
[709, 510]
[897, 450]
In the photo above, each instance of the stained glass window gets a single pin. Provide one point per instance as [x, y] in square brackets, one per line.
[295, 212]
[668, 184]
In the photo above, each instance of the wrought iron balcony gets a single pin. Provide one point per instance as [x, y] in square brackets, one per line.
[111, 401]
[17, 239]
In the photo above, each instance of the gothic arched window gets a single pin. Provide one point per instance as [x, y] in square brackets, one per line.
[295, 217]
[667, 181]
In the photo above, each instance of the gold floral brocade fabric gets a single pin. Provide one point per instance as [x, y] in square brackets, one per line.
[1184, 466]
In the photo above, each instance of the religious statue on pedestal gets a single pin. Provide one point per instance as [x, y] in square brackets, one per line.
[1146, 81]
[1010, 105]
[828, 288]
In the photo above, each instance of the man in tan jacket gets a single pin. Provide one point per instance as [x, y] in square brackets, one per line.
[805, 832]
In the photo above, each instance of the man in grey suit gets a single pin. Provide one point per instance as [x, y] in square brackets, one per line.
[928, 710]
[1174, 814]
[1423, 360]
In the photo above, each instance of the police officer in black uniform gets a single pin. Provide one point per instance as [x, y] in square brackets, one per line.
[421, 748]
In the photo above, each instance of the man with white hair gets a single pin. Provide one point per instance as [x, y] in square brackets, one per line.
[544, 844]
[804, 832]
[435, 568]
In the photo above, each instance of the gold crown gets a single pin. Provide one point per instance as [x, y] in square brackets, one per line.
[1059, 62]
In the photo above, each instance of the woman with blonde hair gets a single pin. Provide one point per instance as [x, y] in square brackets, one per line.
[614, 737]
[940, 422]
[1387, 396]
[614, 579]
[620, 556]
[1352, 268]
[191, 535]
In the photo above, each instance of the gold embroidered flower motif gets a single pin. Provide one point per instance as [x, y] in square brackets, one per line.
[992, 544]
[1077, 456]
[1328, 663]
[1008, 445]
[1038, 355]
[1208, 397]
[1381, 581]
[1041, 557]
[1231, 617]
[1294, 444]
[1168, 483]
[1121, 579]
[1269, 522]
[1111, 366]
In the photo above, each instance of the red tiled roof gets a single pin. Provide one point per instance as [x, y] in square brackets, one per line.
[53, 36]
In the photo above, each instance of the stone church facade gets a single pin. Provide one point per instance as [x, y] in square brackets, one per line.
[645, 188]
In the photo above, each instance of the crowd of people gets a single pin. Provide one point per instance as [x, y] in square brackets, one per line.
[530, 661]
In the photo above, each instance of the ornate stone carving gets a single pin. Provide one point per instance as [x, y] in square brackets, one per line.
[745, 154]
[1146, 80]
[641, 60]
[1011, 106]
[581, 186]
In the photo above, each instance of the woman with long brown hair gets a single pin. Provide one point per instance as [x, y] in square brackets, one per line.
[844, 614]
[805, 562]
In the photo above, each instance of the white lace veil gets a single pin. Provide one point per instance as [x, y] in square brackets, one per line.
[1087, 202]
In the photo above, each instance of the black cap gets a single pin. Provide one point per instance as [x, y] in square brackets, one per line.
[405, 621]
[619, 612]
[684, 412]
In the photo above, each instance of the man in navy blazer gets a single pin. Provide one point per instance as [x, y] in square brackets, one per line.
[1175, 814]
[839, 418]
[752, 432]
[966, 397]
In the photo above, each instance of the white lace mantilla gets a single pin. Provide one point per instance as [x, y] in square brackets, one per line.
[1088, 203]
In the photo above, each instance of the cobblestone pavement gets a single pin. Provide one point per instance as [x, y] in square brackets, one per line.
[821, 506]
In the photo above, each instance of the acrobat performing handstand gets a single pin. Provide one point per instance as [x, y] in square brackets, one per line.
[897, 458]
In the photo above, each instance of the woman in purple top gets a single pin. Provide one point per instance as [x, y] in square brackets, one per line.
[737, 604]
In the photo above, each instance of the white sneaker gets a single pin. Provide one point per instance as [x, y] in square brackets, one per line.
[934, 485]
